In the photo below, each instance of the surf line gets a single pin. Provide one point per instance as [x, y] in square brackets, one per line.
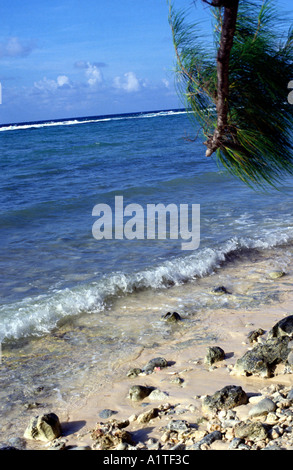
[155, 221]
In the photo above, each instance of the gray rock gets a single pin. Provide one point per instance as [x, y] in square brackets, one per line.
[178, 425]
[263, 407]
[262, 359]
[43, 428]
[153, 363]
[290, 395]
[214, 354]
[225, 399]
[106, 413]
[210, 438]
[139, 392]
[254, 431]
[283, 327]
[290, 358]
[80, 448]
[234, 444]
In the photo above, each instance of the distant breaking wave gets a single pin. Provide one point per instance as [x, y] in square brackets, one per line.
[87, 120]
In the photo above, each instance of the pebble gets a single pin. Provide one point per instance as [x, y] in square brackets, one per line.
[263, 407]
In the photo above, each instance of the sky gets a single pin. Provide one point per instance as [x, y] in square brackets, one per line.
[74, 58]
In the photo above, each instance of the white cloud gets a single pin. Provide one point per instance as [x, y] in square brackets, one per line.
[15, 47]
[166, 82]
[93, 74]
[62, 80]
[52, 85]
[129, 83]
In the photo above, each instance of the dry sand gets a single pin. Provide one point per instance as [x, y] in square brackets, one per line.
[185, 357]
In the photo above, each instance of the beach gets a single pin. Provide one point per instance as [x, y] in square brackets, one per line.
[78, 313]
[226, 327]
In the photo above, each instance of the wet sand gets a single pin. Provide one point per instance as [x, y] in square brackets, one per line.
[255, 301]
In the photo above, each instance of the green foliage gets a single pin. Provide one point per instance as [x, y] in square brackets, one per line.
[257, 146]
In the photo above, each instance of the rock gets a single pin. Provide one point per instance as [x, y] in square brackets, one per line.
[234, 444]
[178, 425]
[255, 431]
[6, 447]
[225, 399]
[210, 438]
[43, 428]
[276, 274]
[220, 290]
[263, 407]
[214, 354]
[134, 372]
[262, 358]
[171, 317]
[283, 327]
[290, 395]
[139, 392]
[157, 395]
[290, 358]
[58, 445]
[159, 362]
[253, 335]
[110, 435]
[80, 448]
[106, 413]
[148, 415]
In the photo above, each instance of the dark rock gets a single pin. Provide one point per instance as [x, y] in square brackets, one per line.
[220, 290]
[210, 438]
[214, 354]
[153, 363]
[225, 399]
[263, 358]
[284, 327]
[255, 431]
[106, 413]
[253, 335]
[171, 317]
[6, 447]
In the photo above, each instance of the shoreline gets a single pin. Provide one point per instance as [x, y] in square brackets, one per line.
[185, 380]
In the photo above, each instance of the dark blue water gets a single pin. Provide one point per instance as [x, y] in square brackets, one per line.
[53, 174]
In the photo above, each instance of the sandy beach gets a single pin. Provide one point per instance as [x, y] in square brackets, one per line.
[187, 378]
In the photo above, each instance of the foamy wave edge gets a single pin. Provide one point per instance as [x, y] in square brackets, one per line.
[40, 315]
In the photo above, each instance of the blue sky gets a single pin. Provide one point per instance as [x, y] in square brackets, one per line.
[70, 58]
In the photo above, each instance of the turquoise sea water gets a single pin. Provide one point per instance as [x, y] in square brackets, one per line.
[53, 174]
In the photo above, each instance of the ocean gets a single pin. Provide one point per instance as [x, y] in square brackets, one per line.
[70, 302]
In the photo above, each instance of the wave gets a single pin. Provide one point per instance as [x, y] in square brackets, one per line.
[75, 121]
[38, 316]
